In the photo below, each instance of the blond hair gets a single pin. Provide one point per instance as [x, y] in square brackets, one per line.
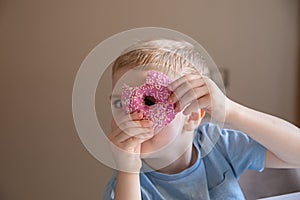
[174, 58]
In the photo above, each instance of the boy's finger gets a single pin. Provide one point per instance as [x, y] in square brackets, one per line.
[175, 84]
[140, 123]
[119, 136]
[129, 117]
[136, 116]
[197, 104]
[185, 87]
[114, 133]
[145, 136]
[190, 96]
[146, 124]
[136, 124]
[132, 143]
[136, 131]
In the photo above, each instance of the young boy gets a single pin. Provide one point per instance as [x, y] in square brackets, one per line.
[176, 153]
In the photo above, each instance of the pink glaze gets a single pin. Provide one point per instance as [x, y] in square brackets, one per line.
[161, 113]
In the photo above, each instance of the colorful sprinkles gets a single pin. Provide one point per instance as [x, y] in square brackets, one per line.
[161, 113]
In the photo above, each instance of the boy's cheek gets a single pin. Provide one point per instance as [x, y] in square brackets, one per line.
[171, 131]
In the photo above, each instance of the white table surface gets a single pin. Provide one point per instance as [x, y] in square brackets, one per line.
[292, 196]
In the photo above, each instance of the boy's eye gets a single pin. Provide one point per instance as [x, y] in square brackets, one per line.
[117, 103]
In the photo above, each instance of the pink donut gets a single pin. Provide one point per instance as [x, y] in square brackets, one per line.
[150, 98]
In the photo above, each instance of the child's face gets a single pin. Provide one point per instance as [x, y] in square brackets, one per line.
[167, 135]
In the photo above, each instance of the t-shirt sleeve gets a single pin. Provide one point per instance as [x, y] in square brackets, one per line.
[109, 193]
[242, 151]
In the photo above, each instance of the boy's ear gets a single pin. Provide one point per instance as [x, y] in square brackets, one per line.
[193, 120]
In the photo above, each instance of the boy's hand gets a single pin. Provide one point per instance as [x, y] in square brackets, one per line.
[126, 139]
[193, 92]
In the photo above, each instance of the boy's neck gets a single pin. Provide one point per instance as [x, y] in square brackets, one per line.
[186, 160]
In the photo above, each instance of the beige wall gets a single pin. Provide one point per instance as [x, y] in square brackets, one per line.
[44, 42]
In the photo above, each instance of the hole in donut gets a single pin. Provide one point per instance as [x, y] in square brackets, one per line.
[149, 100]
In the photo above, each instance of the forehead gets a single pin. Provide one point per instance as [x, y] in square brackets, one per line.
[132, 77]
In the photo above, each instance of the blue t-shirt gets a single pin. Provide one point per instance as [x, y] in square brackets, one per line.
[213, 176]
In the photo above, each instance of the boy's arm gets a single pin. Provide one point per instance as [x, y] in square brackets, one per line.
[281, 138]
[126, 148]
[128, 186]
